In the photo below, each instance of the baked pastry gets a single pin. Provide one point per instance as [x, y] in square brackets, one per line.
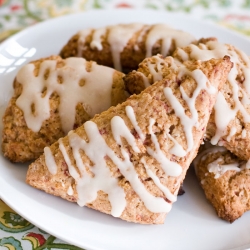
[124, 46]
[130, 160]
[229, 124]
[225, 180]
[51, 97]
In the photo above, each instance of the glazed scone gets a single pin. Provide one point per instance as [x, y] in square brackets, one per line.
[53, 96]
[124, 46]
[225, 180]
[130, 160]
[229, 124]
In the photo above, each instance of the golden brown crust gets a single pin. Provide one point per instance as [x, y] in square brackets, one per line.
[150, 104]
[20, 144]
[229, 193]
[236, 143]
[133, 53]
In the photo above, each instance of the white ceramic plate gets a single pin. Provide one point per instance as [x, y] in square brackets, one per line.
[192, 223]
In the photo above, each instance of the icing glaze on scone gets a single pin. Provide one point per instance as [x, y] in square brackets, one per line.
[73, 82]
[118, 37]
[96, 149]
[225, 111]
[218, 166]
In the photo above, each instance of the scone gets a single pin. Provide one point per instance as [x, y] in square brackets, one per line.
[130, 160]
[225, 180]
[124, 46]
[229, 124]
[53, 96]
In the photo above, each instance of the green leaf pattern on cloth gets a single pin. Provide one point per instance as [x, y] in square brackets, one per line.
[14, 219]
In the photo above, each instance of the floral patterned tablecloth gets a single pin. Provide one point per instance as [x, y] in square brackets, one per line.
[15, 232]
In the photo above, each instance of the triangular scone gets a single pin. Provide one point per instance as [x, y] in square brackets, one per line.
[225, 180]
[53, 96]
[229, 124]
[130, 160]
[124, 46]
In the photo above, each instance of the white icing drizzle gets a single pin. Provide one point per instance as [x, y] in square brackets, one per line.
[216, 166]
[189, 122]
[221, 107]
[154, 204]
[233, 131]
[131, 115]
[205, 153]
[118, 37]
[145, 79]
[95, 94]
[82, 39]
[119, 129]
[70, 191]
[224, 113]
[92, 178]
[155, 68]
[157, 182]
[50, 161]
[182, 54]
[170, 168]
[96, 42]
[86, 185]
[141, 35]
[177, 149]
[166, 34]
[219, 169]
[248, 164]
[244, 133]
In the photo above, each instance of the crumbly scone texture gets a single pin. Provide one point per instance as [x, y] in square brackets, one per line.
[133, 53]
[150, 104]
[135, 80]
[236, 143]
[21, 144]
[229, 194]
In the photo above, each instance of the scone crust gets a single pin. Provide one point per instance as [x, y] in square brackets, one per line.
[20, 143]
[133, 53]
[150, 104]
[229, 193]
